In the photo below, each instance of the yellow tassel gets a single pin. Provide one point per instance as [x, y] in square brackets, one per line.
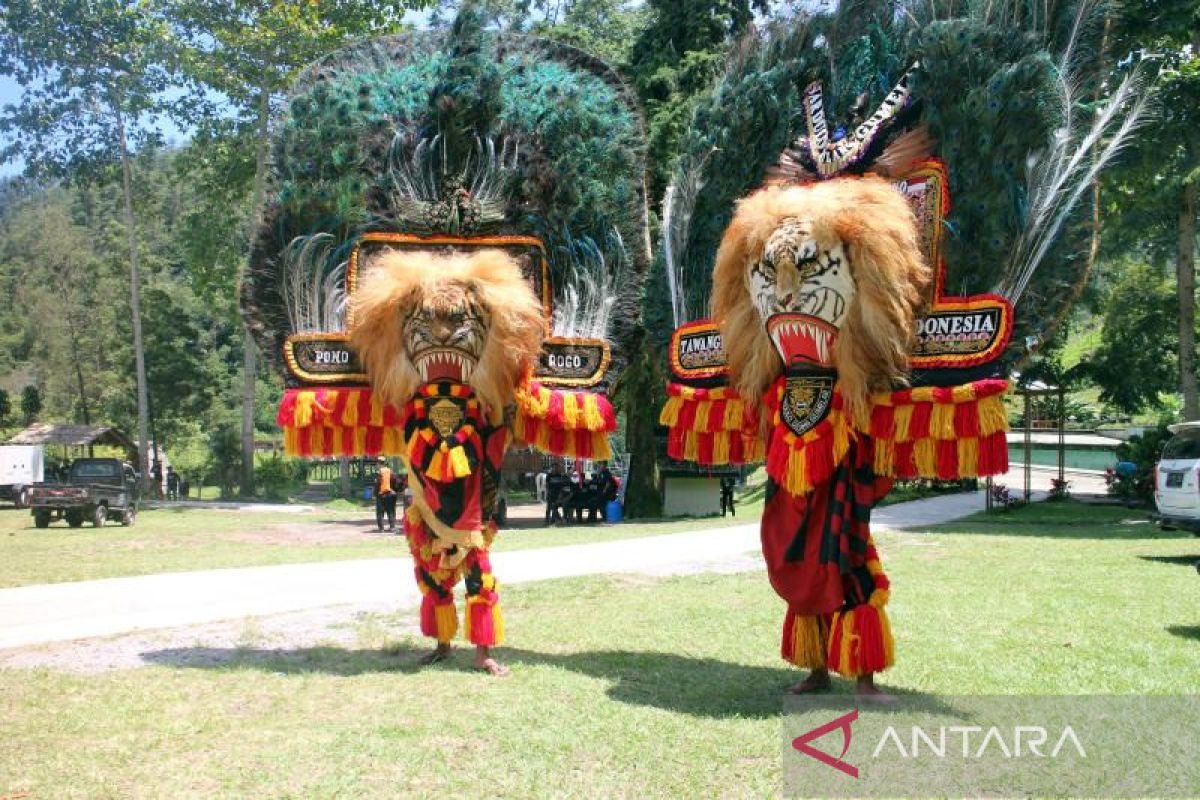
[670, 412]
[885, 457]
[925, 456]
[879, 598]
[542, 436]
[874, 567]
[808, 642]
[992, 416]
[360, 440]
[458, 462]
[593, 420]
[691, 446]
[721, 447]
[963, 393]
[601, 449]
[304, 409]
[846, 620]
[338, 448]
[903, 418]
[291, 441]
[350, 410]
[889, 644]
[734, 414]
[798, 481]
[968, 457]
[700, 423]
[445, 616]
[570, 411]
[393, 441]
[941, 421]
[376, 412]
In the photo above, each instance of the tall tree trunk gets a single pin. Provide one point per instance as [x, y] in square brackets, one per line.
[135, 302]
[77, 359]
[1185, 270]
[642, 495]
[249, 351]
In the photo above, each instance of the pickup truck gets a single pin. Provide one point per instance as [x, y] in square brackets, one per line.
[95, 489]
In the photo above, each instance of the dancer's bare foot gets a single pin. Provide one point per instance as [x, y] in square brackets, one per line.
[867, 690]
[484, 661]
[440, 653]
[816, 682]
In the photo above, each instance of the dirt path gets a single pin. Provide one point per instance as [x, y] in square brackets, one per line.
[118, 623]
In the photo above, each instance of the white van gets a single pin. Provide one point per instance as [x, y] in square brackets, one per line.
[21, 466]
[1177, 479]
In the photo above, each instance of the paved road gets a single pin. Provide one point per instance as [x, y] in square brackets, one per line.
[65, 611]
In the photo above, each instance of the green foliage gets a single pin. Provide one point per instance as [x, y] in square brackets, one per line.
[224, 465]
[1137, 356]
[31, 403]
[1143, 451]
[5, 407]
[277, 476]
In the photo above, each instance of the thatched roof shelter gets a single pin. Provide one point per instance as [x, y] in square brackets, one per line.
[73, 436]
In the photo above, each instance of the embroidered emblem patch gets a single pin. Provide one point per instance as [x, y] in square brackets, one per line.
[806, 401]
[446, 416]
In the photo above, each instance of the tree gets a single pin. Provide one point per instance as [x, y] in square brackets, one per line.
[5, 407]
[249, 51]
[1137, 358]
[93, 78]
[31, 403]
[1155, 202]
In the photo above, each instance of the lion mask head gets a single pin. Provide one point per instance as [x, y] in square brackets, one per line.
[828, 274]
[421, 317]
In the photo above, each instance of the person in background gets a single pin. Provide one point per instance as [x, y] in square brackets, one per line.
[157, 474]
[172, 484]
[185, 488]
[727, 496]
[386, 485]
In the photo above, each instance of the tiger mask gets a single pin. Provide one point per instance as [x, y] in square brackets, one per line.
[420, 317]
[829, 275]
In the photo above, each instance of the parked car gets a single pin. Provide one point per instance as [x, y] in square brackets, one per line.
[1177, 479]
[21, 466]
[95, 489]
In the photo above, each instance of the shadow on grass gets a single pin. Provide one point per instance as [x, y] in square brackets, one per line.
[1182, 561]
[702, 687]
[1185, 631]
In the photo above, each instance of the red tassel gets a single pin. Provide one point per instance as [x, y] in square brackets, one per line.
[947, 459]
[943, 394]
[883, 422]
[903, 465]
[787, 647]
[483, 619]
[993, 454]
[687, 415]
[287, 409]
[966, 420]
[918, 428]
[607, 413]
[872, 656]
[428, 619]
[675, 443]
[374, 443]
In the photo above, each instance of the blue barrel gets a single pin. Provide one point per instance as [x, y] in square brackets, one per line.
[368, 493]
[613, 511]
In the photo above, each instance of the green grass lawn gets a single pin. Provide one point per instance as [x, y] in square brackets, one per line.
[622, 686]
[175, 539]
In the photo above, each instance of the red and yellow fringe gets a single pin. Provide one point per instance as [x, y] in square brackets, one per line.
[564, 422]
[940, 432]
[799, 463]
[851, 642]
[339, 421]
[710, 426]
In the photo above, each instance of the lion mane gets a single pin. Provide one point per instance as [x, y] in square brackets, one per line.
[878, 231]
[396, 283]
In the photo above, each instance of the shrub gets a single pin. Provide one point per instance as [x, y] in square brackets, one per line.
[276, 476]
[1143, 452]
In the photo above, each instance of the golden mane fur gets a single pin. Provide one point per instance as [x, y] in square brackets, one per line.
[396, 283]
[878, 230]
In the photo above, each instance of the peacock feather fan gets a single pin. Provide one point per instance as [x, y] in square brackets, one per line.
[995, 92]
[458, 131]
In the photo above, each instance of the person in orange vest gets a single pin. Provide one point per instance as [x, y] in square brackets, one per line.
[387, 484]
